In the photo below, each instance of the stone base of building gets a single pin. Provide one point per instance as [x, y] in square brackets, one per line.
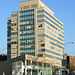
[28, 65]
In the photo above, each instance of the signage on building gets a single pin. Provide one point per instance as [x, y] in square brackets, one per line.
[31, 58]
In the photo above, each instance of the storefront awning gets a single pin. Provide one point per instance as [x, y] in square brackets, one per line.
[60, 68]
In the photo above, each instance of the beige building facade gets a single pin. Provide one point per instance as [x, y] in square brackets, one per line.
[34, 30]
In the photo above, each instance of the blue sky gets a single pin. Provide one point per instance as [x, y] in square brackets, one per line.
[64, 10]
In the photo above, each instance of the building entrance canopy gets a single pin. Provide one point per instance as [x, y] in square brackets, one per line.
[60, 68]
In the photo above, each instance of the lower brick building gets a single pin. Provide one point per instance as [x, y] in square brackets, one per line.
[70, 63]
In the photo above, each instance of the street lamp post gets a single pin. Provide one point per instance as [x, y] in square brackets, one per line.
[64, 53]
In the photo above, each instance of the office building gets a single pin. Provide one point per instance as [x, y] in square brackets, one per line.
[34, 30]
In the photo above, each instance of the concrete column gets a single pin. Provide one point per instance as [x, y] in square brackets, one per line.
[59, 72]
[32, 68]
[31, 71]
[25, 67]
[25, 71]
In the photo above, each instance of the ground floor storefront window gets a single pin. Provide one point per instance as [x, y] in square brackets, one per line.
[37, 68]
